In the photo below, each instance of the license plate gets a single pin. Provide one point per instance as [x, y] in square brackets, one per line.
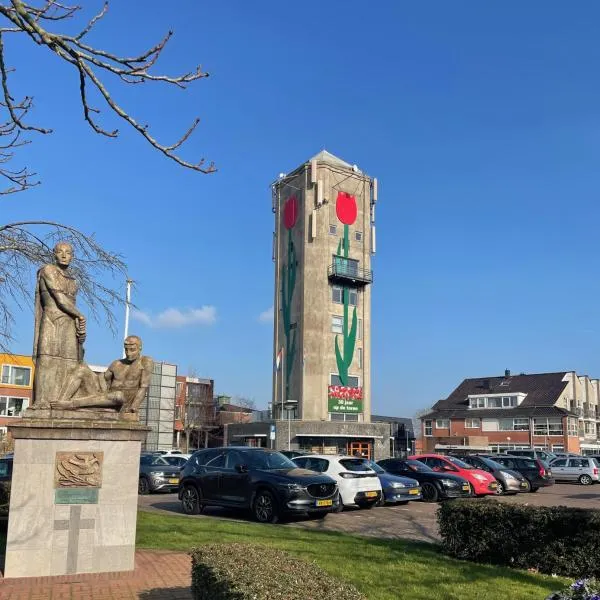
[466, 487]
[413, 492]
[523, 484]
[371, 494]
[324, 502]
[173, 480]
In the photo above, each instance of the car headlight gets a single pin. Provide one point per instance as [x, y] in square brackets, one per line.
[397, 484]
[292, 487]
[158, 474]
[449, 483]
[479, 477]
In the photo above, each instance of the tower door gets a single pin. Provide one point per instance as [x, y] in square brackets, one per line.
[365, 449]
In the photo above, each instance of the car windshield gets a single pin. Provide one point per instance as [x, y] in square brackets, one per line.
[417, 465]
[459, 463]
[268, 461]
[152, 460]
[355, 464]
[375, 466]
[492, 464]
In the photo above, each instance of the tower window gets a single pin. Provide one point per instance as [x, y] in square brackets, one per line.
[359, 329]
[333, 230]
[352, 381]
[358, 236]
[337, 324]
[337, 295]
[359, 357]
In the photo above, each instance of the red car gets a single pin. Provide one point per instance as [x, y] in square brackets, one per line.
[482, 483]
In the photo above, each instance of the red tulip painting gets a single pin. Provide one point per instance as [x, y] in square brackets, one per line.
[288, 283]
[346, 211]
[290, 212]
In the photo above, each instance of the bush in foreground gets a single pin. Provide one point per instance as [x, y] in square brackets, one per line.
[584, 589]
[254, 572]
[556, 540]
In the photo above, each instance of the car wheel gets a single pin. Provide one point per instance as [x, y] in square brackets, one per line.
[191, 500]
[143, 486]
[585, 480]
[500, 489]
[265, 509]
[430, 493]
[535, 489]
[366, 505]
[340, 506]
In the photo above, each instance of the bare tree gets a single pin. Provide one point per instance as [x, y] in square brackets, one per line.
[248, 403]
[27, 244]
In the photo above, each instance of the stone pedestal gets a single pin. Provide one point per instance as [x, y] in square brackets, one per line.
[73, 504]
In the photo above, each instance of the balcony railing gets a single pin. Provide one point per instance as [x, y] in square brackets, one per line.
[347, 271]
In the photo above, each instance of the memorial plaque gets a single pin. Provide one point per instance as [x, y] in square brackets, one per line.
[76, 496]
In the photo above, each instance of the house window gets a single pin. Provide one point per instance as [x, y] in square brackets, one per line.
[333, 230]
[345, 266]
[509, 401]
[573, 427]
[337, 324]
[590, 428]
[358, 236]
[352, 380]
[12, 407]
[477, 402]
[494, 403]
[472, 423]
[550, 426]
[345, 417]
[359, 357]
[428, 428]
[442, 423]
[12, 375]
[521, 424]
[337, 295]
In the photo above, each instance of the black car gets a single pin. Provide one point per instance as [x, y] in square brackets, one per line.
[536, 471]
[434, 486]
[264, 481]
[156, 474]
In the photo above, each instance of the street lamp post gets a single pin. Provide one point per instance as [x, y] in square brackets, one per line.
[289, 406]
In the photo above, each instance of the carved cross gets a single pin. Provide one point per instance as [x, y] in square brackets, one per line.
[74, 524]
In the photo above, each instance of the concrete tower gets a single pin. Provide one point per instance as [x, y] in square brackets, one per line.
[324, 240]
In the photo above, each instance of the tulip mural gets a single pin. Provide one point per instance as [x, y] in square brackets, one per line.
[345, 208]
[288, 283]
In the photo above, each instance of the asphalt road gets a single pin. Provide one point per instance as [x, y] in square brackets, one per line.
[415, 521]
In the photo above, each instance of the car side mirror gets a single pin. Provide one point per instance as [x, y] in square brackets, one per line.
[241, 468]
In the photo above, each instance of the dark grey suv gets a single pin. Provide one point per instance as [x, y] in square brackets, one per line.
[263, 481]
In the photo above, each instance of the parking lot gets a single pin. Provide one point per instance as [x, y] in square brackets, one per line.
[415, 521]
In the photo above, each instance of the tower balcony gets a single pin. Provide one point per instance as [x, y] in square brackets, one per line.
[347, 272]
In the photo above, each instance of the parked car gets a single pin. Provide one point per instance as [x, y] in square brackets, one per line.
[156, 474]
[176, 460]
[535, 470]
[396, 488]
[509, 481]
[582, 469]
[292, 453]
[6, 468]
[482, 483]
[533, 453]
[434, 486]
[264, 481]
[358, 484]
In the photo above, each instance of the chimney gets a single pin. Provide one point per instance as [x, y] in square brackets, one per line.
[506, 372]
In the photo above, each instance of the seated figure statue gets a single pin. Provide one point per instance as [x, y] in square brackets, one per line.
[122, 386]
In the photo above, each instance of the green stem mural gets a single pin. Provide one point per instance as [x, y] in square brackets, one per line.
[349, 337]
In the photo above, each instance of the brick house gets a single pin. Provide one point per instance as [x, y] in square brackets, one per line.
[555, 411]
[16, 387]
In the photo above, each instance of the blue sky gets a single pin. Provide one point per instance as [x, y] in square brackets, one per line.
[481, 122]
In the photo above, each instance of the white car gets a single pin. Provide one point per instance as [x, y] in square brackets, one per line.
[359, 485]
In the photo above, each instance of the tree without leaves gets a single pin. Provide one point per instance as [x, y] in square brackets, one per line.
[28, 244]
[198, 414]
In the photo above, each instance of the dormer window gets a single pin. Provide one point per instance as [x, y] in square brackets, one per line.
[496, 401]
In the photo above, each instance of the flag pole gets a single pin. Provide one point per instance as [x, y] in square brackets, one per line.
[282, 379]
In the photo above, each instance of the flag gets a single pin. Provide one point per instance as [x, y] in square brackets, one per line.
[278, 360]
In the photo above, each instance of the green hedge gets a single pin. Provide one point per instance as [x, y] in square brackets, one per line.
[254, 572]
[558, 539]
[4, 497]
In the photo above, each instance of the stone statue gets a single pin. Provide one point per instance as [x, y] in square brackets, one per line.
[122, 387]
[62, 381]
[59, 328]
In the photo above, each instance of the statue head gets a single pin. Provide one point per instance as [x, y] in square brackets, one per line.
[133, 347]
[63, 254]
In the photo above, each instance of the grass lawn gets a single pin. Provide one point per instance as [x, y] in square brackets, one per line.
[381, 569]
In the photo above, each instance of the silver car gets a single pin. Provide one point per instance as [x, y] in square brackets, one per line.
[583, 469]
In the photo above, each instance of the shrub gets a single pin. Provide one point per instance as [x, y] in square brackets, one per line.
[558, 539]
[584, 589]
[4, 497]
[254, 572]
